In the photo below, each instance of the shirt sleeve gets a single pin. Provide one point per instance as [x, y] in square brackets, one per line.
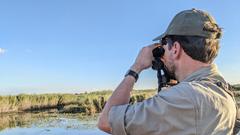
[117, 118]
[169, 111]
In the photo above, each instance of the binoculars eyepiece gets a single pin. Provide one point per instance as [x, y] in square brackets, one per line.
[158, 52]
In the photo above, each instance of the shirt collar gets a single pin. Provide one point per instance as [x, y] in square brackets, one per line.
[201, 73]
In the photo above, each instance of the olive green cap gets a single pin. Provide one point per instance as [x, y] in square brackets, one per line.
[193, 23]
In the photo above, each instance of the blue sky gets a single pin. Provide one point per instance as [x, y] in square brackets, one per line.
[87, 45]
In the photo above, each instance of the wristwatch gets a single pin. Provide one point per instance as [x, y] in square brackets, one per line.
[133, 74]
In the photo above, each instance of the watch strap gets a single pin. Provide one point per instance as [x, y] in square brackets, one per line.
[133, 74]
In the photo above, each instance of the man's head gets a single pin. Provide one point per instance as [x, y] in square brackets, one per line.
[198, 48]
[196, 33]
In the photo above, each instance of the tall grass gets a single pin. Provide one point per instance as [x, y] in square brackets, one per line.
[88, 103]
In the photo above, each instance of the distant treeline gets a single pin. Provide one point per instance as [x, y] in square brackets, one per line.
[87, 103]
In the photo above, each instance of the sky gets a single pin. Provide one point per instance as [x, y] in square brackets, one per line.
[73, 46]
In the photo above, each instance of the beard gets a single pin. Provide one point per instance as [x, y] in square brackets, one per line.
[170, 70]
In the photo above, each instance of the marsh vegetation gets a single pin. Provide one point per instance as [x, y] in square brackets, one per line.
[86, 103]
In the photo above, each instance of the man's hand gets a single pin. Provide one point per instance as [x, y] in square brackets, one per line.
[144, 58]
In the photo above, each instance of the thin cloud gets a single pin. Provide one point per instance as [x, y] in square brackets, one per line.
[2, 51]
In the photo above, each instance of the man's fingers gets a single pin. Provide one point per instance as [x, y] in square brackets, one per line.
[155, 45]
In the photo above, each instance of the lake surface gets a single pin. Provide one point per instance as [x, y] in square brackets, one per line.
[48, 124]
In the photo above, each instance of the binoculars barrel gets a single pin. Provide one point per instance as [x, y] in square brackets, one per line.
[158, 65]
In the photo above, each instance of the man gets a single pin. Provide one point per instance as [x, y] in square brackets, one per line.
[200, 103]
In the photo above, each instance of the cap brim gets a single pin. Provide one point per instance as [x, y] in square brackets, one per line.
[159, 37]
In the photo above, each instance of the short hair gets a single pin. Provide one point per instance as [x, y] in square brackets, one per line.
[198, 48]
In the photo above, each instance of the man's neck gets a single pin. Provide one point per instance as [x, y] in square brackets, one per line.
[187, 67]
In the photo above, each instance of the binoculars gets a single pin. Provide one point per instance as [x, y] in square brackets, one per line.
[157, 64]
[158, 52]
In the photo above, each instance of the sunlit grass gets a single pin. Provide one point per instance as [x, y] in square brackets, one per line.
[87, 103]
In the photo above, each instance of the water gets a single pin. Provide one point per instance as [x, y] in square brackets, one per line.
[48, 124]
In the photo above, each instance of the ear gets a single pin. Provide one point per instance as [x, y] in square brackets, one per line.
[176, 50]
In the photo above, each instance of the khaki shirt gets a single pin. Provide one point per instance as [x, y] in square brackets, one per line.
[196, 106]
